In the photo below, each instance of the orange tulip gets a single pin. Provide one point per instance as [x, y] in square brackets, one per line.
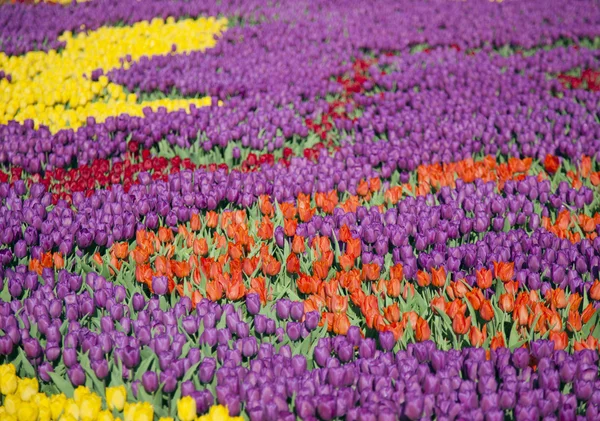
[195, 223]
[511, 287]
[214, 290]
[461, 324]
[486, 311]
[595, 290]
[551, 164]
[200, 247]
[588, 312]
[288, 210]
[98, 259]
[589, 343]
[358, 297]
[289, 227]
[345, 234]
[457, 289]
[410, 318]
[497, 341]
[476, 336]
[555, 322]
[408, 290]
[574, 323]
[370, 271]
[265, 229]
[353, 247]
[392, 313]
[476, 298]
[162, 265]
[235, 290]
[249, 265]
[139, 255]
[484, 278]
[305, 212]
[393, 288]
[422, 331]
[504, 271]
[423, 278]
[507, 302]
[212, 219]
[196, 298]
[341, 324]
[307, 284]
[271, 266]
[560, 339]
[455, 307]
[165, 235]
[266, 207]
[180, 269]
[438, 277]
[339, 304]
[397, 272]
[292, 263]
[346, 262]
[120, 250]
[46, 260]
[363, 188]
[574, 301]
[396, 328]
[58, 261]
[320, 269]
[557, 298]
[298, 244]
[143, 274]
[585, 168]
[438, 304]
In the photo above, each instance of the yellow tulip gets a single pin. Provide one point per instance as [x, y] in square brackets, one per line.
[71, 408]
[116, 397]
[27, 412]
[67, 417]
[143, 412]
[105, 415]
[12, 404]
[186, 408]
[166, 419]
[218, 412]
[27, 389]
[89, 407]
[45, 414]
[80, 393]
[129, 411]
[8, 379]
[4, 416]
[57, 405]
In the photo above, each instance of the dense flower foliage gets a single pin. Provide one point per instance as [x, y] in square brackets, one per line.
[317, 210]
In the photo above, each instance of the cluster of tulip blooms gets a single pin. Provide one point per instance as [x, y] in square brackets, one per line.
[359, 213]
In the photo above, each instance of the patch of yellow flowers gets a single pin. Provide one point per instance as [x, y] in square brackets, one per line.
[22, 401]
[55, 88]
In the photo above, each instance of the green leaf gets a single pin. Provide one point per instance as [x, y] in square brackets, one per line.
[26, 366]
[144, 366]
[63, 385]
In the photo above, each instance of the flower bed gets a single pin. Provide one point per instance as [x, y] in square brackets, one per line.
[314, 210]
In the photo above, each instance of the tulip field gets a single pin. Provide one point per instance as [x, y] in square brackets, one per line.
[290, 210]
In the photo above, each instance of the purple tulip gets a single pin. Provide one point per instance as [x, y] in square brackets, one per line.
[160, 285]
[150, 382]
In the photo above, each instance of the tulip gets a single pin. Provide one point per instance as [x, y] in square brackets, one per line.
[461, 324]
[76, 375]
[150, 382]
[160, 285]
